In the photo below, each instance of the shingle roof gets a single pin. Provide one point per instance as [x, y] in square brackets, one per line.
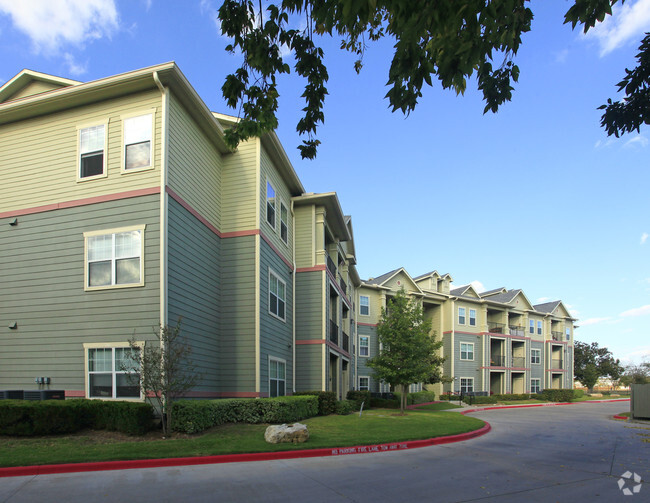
[459, 291]
[506, 297]
[491, 292]
[380, 279]
[547, 307]
[424, 275]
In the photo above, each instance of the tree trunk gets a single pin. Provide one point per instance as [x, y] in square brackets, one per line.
[403, 398]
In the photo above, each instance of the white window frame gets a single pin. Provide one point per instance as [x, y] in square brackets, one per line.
[539, 327]
[80, 128]
[113, 346]
[152, 150]
[535, 383]
[362, 305]
[274, 298]
[367, 386]
[531, 326]
[462, 316]
[469, 350]
[468, 384]
[284, 223]
[367, 346]
[538, 357]
[472, 319]
[278, 362]
[271, 202]
[113, 232]
[568, 333]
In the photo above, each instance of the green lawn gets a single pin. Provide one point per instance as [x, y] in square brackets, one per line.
[438, 406]
[373, 427]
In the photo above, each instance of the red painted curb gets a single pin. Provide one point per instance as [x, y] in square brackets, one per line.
[548, 404]
[19, 471]
[621, 417]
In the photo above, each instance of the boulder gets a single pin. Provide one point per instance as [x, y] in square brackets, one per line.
[295, 433]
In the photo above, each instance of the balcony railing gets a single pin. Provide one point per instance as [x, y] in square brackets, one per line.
[496, 328]
[557, 336]
[331, 265]
[497, 361]
[334, 332]
[517, 330]
[346, 342]
[518, 362]
[557, 363]
[344, 286]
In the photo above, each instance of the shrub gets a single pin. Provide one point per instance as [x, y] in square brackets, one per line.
[557, 395]
[359, 397]
[578, 393]
[383, 403]
[512, 397]
[193, 416]
[49, 417]
[420, 397]
[326, 401]
[481, 400]
[344, 407]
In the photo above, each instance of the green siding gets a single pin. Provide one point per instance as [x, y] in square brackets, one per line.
[194, 283]
[276, 335]
[309, 359]
[309, 305]
[449, 355]
[373, 350]
[237, 348]
[42, 289]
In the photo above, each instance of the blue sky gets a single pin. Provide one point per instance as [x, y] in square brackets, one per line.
[535, 197]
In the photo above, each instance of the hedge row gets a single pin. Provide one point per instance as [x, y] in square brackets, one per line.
[48, 417]
[359, 397]
[193, 416]
[417, 397]
[327, 401]
[558, 395]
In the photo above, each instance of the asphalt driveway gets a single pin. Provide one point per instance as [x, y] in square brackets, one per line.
[573, 453]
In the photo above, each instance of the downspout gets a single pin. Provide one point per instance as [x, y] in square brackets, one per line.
[293, 292]
[163, 201]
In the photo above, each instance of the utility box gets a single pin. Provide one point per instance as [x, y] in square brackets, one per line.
[11, 394]
[640, 401]
[44, 394]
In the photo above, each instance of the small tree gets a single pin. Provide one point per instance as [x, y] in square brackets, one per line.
[592, 362]
[409, 352]
[165, 371]
[636, 374]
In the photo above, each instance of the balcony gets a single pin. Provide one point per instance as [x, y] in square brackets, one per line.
[557, 363]
[344, 286]
[518, 362]
[517, 330]
[331, 266]
[497, 360]
[557, 336]
[334, 332]
[346, 342]
[496, 328]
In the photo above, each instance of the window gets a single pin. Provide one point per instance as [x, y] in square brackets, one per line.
[568, 334]
[466, 384]
[535, 385]
[466, 351]
[539, 328]
[277, 377]
[531, 328]
[277, 296]
[113, 372]
[472, 317]
[91, 151]
[138, 142]
[270, 204]
[114, 258]
[461, 315]
[284, 229]
[536, 356]
[364, 305]
[364, 346]
[364, 383]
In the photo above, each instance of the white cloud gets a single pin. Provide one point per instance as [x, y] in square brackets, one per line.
[53, 24]
[627, 24]
[644, 238]
[594, 321]
[636, 141]
[478, 286]
[605, 144]
[638, 311]
[75, 68]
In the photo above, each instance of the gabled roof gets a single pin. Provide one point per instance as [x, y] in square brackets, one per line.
[495, 291]
[385, 278]
[556, 308]
[504, 297]
[426, 275]
[27, 77]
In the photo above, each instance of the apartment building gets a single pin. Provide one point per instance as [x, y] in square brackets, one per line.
[493, 342]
